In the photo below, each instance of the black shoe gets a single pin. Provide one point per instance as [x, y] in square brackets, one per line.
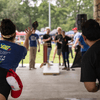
[64, 68]
[51, 61]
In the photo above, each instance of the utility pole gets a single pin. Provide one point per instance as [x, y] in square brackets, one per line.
[49, 15]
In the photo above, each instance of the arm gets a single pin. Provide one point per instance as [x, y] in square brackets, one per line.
[75, 42]
[38, 46]
[81, 45]
[28, 33]
[44, 40]
[91, 86]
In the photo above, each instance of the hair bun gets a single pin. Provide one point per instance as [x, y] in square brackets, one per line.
[35, 25]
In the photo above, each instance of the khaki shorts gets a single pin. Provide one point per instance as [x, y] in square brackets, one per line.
[59, 51]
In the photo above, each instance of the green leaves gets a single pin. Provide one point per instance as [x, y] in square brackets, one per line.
[63, 14]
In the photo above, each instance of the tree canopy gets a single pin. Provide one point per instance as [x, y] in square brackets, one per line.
[63, 14]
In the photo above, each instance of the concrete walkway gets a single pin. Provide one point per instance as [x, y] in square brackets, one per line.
[66, 86]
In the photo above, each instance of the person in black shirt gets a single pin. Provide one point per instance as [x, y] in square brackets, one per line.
[58, 39]
[90, 66]
[47, 39]
[65, 51]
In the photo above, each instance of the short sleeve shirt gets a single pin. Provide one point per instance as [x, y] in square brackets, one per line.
[64, 43]
[90, 66]
[60, 39]
[11, 54]
[85, 46]
[77, 35]
[46, 36]
[33, 40]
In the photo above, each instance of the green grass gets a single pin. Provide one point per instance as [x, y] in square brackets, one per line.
[39, 56]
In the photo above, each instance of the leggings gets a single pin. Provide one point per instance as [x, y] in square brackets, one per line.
[66, 58]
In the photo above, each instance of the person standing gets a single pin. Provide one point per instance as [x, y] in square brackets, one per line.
[90, 66]
[55, 49]
[34, 39]
[47, 39]
[11, 54]
[58, 39]
[76, 39]
[65, 50]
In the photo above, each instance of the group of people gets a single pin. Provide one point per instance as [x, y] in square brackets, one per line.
[12, 53]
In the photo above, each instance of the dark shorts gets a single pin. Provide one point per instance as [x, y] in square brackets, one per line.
[59, 51]
[4, 86]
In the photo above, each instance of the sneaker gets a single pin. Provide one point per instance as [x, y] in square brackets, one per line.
[51, 61]
[65, 68]
[68, 69]
[34, 68]
[29, 68]
[44, 64]
[59, 64]
[63, 64]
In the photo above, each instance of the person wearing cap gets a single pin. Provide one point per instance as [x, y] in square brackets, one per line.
[10, 54]
[76, 39]
[47, 39]
[33, 40]
[90, 65]
[58, 39]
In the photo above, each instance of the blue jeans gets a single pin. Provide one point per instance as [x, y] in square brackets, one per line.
[66, 58]
[48, 54]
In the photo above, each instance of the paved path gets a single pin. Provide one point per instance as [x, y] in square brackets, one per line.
[52, 87]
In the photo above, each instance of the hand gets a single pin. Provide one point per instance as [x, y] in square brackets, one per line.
[38, 50]
[82, 46]
[28, 32]
[73, 47]
[49, 38]
[58, 40]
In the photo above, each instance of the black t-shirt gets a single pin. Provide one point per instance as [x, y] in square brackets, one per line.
[90, 66]
[64, 43]
[60, 39]
[46, 36]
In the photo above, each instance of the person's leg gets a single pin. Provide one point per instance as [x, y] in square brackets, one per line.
[67, 58]
[55, 50]
[2, 97]
[48, 54]
[34, 56]
[71, 52]
[59, 54]
[63, 54]
[31, 58]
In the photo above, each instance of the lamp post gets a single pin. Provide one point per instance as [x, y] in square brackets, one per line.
[49, 16]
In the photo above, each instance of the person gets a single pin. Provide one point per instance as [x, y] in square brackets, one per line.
[10, 54]
[55, 49]
[71, 35]
[47, 39]
[34, 39]
[76, 39]
[65, 51]
[58, 39]
[90, 65]
[83, 45]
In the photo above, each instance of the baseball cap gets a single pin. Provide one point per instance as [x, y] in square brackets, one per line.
[15, 82]
[75, 28]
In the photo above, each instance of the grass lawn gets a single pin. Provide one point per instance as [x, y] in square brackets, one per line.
[39, 56]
